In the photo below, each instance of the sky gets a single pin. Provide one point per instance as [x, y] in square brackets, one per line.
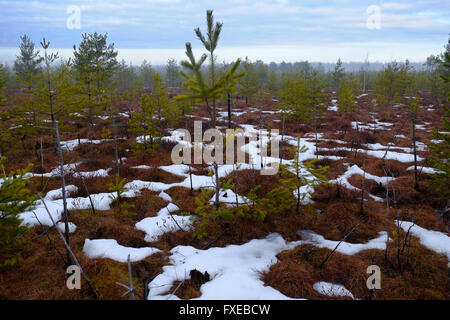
[269, 30]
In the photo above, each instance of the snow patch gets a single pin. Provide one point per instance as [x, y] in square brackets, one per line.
[109, 248]
[332, 290]
[437, 241]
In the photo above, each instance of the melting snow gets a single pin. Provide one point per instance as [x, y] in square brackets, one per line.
[343, 179]
[234, 270]
[425, 170]
[332, 290]
[154, 227]
[108, 248]
[347, 248]
[434, 240]
[57, 194]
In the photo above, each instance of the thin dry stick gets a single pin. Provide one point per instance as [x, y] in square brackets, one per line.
[217, 185]
[235, 186]
[130, 288]
[282, 138]
[48, 237]
[42, 165]
[85, 188]
[387, 214]
[170, 213]
[406, 238]
[63, 188]
[190, 179]
[116, 152]
[174, 291]
[69, 250]
[393, 140]
[215, 239]
[398, 230]
[361, 209]
[345, 237]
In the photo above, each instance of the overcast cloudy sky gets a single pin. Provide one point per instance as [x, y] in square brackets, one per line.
[271, 30]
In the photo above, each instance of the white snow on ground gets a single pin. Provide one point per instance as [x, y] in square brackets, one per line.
[229, 198]
[347, 248]
[420, 127]
[72, 144]
[197, 181]
[436, 141]
[343, 179]
[165, 196]
[234, 270]
[56, 172]
[425, 169]
[357, 170]
[224, 115]
[109, 248]
[101, 173]
[332, 290]
[62, 227]
[102, 201]
[381, 123]
[57, 194]
[71, 168]
[434, 240]
[154, 227]
[360, 126]
[390, 155]
[142, 167]
[178, 169]
[124, 114]
[374, 125]
[333, 108]
[378, 146]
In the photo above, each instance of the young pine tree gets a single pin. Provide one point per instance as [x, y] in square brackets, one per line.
[346, 101]
[198, 88]
[15, 198]
[248, 85]
[301, 178]
[440, 152]
[338, 74]
[27, 62]
[53, 92]
[164, 106]
[172, 73]
[210, 43]
[95, 62]
[145, 124]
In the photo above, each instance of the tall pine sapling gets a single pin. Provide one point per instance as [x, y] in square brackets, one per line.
[210, 43]
[440, 151]
[26, 65]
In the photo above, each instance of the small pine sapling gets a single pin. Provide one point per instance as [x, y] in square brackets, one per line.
[15, 198]
[118, 187]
